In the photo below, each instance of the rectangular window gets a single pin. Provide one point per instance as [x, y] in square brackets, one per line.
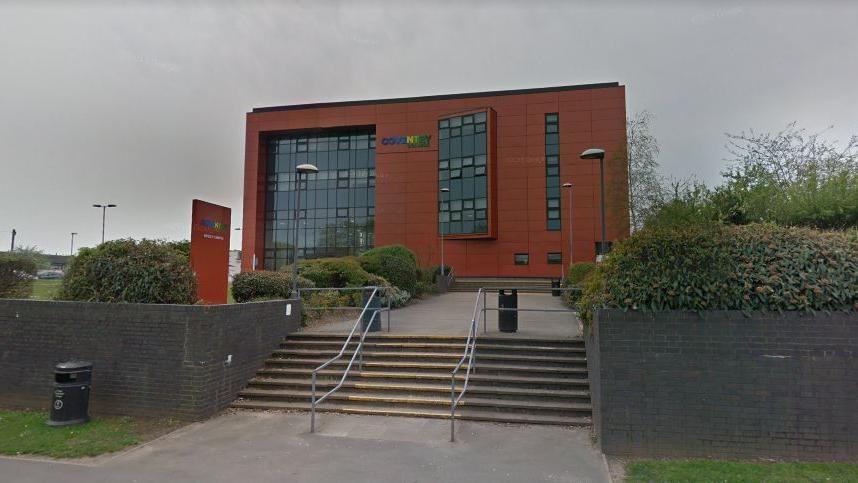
[462, 169]
[521, 258]
[552, 171]
[555, 258]
[338, 203]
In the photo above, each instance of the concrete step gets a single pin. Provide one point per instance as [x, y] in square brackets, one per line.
[425, 387]
[512, 340]
[482, 367]
[429, 377]
[516, 380]
[537, 360]
[483, 347]
[464, 414]
[412, 401]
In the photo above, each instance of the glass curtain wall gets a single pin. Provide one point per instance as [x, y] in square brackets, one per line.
[462, 169]
[337, 204]
[552, 171]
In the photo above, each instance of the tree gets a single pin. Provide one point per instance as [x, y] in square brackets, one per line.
[789, 156]
[646, 188]
[791, 178]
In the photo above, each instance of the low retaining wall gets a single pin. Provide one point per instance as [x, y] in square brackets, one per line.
[721, 384]
[148, 360]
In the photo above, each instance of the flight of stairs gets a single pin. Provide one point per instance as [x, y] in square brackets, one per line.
[472, 284]
[535, 381]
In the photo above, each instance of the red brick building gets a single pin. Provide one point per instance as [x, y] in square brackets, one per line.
[502, 155]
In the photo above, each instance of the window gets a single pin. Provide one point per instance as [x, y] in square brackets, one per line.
[462, 169]
[337, 204]
[555, 258]
[552, 171]
[521, 258]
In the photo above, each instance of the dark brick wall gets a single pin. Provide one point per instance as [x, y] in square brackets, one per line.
[725, 385]
[148, 360]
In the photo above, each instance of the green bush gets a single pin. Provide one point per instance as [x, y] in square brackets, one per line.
[757, 267]
[576, 276]
[396, 263]
[265, 285]
[397, 297]
[147, 271]
[337, 272]
[16, 276]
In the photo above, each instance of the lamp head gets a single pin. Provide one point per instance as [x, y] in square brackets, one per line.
[567, 185]
[306, 169]
[445, 190]
[593, 153]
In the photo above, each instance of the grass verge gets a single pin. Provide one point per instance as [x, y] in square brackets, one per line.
[737, 471]
[25, 433]
[45, 289]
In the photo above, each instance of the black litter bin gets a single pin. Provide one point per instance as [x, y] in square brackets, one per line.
[374, 305]
[71, 393]
[507, 319]
[555, 284]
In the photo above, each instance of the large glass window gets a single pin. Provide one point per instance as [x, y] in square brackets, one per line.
[337, 204]
[552, 171]
[462, 168]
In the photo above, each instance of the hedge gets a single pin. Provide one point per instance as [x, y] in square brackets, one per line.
[16, 276]
[145, 271]
[337, 272]
[265, 285]
[577, 276]
[757, 267]
[396, 263]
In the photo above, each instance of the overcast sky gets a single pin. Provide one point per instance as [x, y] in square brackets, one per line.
[143, 105]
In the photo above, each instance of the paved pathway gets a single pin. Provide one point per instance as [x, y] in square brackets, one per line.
[264, 447]
[450, 314]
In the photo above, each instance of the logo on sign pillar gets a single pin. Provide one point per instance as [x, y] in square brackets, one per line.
[416, 141]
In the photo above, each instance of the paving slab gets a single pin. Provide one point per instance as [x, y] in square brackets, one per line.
[451, 313]
[275, 446]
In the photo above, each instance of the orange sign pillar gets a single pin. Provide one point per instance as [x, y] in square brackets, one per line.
[210, 250]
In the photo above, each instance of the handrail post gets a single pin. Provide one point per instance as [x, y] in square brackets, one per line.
[484, 312]
[389, 296]
[453, 409]
[474, 346]
[313, 405]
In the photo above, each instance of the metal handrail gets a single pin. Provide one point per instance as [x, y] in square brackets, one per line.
[470, 350]
[530, 290]
[358, 350]
[387, 291]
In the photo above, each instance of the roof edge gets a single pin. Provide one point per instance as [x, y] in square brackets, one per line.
[437, 97]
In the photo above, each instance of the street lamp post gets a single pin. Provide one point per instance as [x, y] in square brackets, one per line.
[71, 251]
[104, 208]
[304, 169]
[444, 191]
[568, 186]
[12, 248]
[598, 153]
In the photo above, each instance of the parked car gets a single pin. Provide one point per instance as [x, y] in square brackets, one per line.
[49, 274]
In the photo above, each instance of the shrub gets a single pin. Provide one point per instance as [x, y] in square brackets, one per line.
[16, 276]
[264, 285]
[576, 276]
[147, 271]
[316, 302]
[752, 267]
[397, 296]
[396, 263]
[337, 272]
